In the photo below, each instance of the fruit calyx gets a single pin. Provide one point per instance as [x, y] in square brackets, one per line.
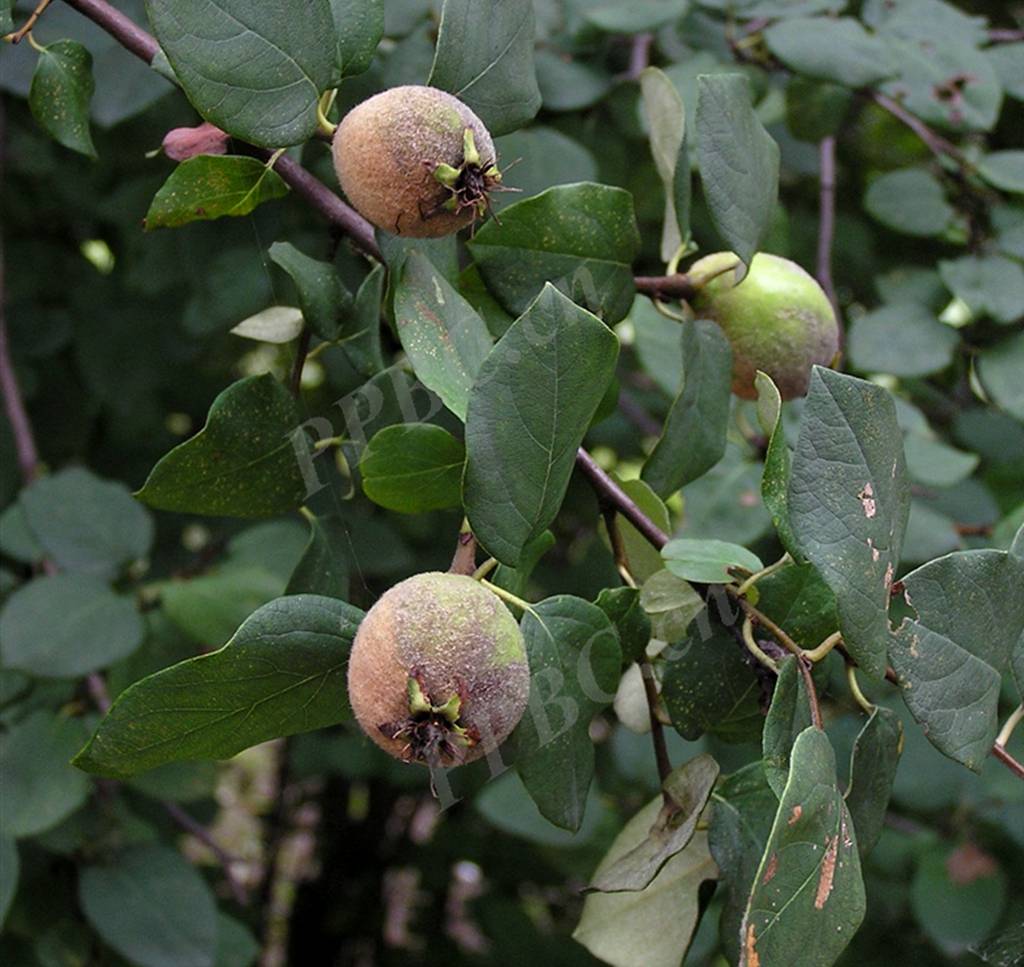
[470, 184]
[435, 735]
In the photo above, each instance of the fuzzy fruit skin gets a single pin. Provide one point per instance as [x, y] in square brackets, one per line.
[379, 152]
[778, 320]
[459, 639]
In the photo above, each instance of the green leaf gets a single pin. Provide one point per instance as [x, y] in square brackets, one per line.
[666, 119]
[904, 340]
[6, 16]
[574, 659]
[40, 788]
[930, 461]
[10, 866]
[1003, 949]
[323, 298]
[362, 348]
[569, 84]
[622, 605]
[85, 523]
[67, 625]
[693, 439]
[516, 579]
[839, 50]
[413, 468]
[657, 340]
[211, 186]
[153, 907]
[1000, 367]
[533, 400]
[444, 338]
[789, 715]
[62, 87]
[848, 504]
[708, 685]
[282, 672]
[580, 238]
[911, 201]
[653, 928]
[990, 284]
[688, 788]
[484, 57]
[809, 882]
[815, 109]
[738, 161]
[797, 599]
[358, 28]
[951, 653]
[236, 946]
[957, 896]
[324, 566]
[778, 460]
[254, 71]
[707, 561]
[671, 604]
[741, 822]
[634, 18]
[644, 559]
[876, 754]
[243, 463]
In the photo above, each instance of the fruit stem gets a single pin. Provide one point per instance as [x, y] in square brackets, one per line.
[508, 597]
[464, 558]
[1011, 723]
[859, 697]
[323, 105]
[764, 572]
[484, 569]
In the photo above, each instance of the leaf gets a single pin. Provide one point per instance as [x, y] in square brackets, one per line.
[324, 300]
[62, 87]
[778, 460]
[549, 158]
[789, 715]
[839, 50]
[708, 686]
[797, 599]
[574, 659]
[876, 754]
[362, 348]
[152, 906]
[848, 504]
[67, 625]
[1004, 169]
[666, 119]
[910, 201]
[324, 566]
[671, 603]
[1000, 367]
[6, 16]
[358, 28]
[741, 822]
[275, 324]
[657, 342]
[738, 161]
[484, 57]
[653, 928]
[688, 787]
[212, 186]
[10, 868]
[568, 84]
[990, 284]
[533, 400]
[516, 579]
[1003, 949]
[644, 559]
[243, 463]
[930, 461]
[951, 653]
[86, 524]
[634, 18]
[40, 788]
[809, 881]
[256, 71]
[622, 605]
[580, 238]
[281, 673]
[707, 561]
[413, 468]
[904, 340]
[446, 341]
[693, 438]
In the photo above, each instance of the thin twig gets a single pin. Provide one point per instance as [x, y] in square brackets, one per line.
[24, 441]
[937, 144]
[657, 729]
[226, 860]
[1008, 760]
[17, 36]
[123, 29]
[608, 491]
[676, 286]
[1005, 36]
[301, 354]
[827, 218]
[611, 523]
[639, 54]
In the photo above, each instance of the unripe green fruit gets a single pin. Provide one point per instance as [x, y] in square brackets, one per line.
[438, 670]
[777, 319]
[392, 152]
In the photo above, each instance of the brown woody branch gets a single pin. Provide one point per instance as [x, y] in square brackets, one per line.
[321, 198]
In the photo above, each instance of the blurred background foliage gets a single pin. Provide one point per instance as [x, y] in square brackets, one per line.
[121, 341]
